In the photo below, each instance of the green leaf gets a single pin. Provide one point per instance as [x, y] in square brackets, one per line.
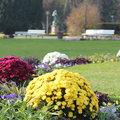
[15, 89]
[5, 88]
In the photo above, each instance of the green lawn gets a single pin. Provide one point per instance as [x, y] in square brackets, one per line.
[103, 77]
[39, 48]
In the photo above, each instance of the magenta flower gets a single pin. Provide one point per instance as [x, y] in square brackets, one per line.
[12, 68]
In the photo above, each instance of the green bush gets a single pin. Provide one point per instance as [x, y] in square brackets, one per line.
[110, 25]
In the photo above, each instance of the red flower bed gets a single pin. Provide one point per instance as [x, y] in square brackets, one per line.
[12, 68]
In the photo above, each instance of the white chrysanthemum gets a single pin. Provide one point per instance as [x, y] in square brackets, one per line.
[52, 57]
[118, 54]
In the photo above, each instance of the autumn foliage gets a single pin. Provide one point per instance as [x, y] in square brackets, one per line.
[76, 20]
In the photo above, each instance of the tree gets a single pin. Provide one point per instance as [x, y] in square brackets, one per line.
[20, 15]
[108, 9]
[76, 20]
[63, 8]
[118, 11]
[69, 4]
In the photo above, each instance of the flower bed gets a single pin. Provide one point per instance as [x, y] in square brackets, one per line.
[99, 58]
[61, 93]
[72, 62]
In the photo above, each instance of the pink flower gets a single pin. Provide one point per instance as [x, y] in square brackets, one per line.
[4, 79]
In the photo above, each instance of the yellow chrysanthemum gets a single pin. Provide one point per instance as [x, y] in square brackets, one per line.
[70, 114]
[60, 112]
[64, 103]
[68, 92]
[117, 102]
[59, 103]
[44, 97]
[109, 104]
[56, 107]
[93, 115]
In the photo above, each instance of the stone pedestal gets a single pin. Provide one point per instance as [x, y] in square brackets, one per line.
[54, 29]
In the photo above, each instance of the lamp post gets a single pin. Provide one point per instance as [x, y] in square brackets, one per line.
[85, 17]
[112, 16]
[47, 21]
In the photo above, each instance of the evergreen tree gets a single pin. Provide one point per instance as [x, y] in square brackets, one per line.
[108, 10]
[20, 15]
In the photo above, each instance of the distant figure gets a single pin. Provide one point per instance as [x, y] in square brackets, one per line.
[55, 18]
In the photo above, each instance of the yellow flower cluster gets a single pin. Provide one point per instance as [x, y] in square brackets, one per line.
[52, 33]
[2, 36]
[69, 92]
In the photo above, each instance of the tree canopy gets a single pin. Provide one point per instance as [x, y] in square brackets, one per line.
[18, 15]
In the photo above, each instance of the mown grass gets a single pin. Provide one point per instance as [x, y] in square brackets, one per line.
[103, 77]
[39, 48]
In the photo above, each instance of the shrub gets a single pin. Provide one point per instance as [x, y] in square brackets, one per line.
[110, 25]
[11, 36]
[53, 56]
[72, 62]
[32, 60]
[103, 98]
[68, 92]
[12, 68]
[76, 20]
